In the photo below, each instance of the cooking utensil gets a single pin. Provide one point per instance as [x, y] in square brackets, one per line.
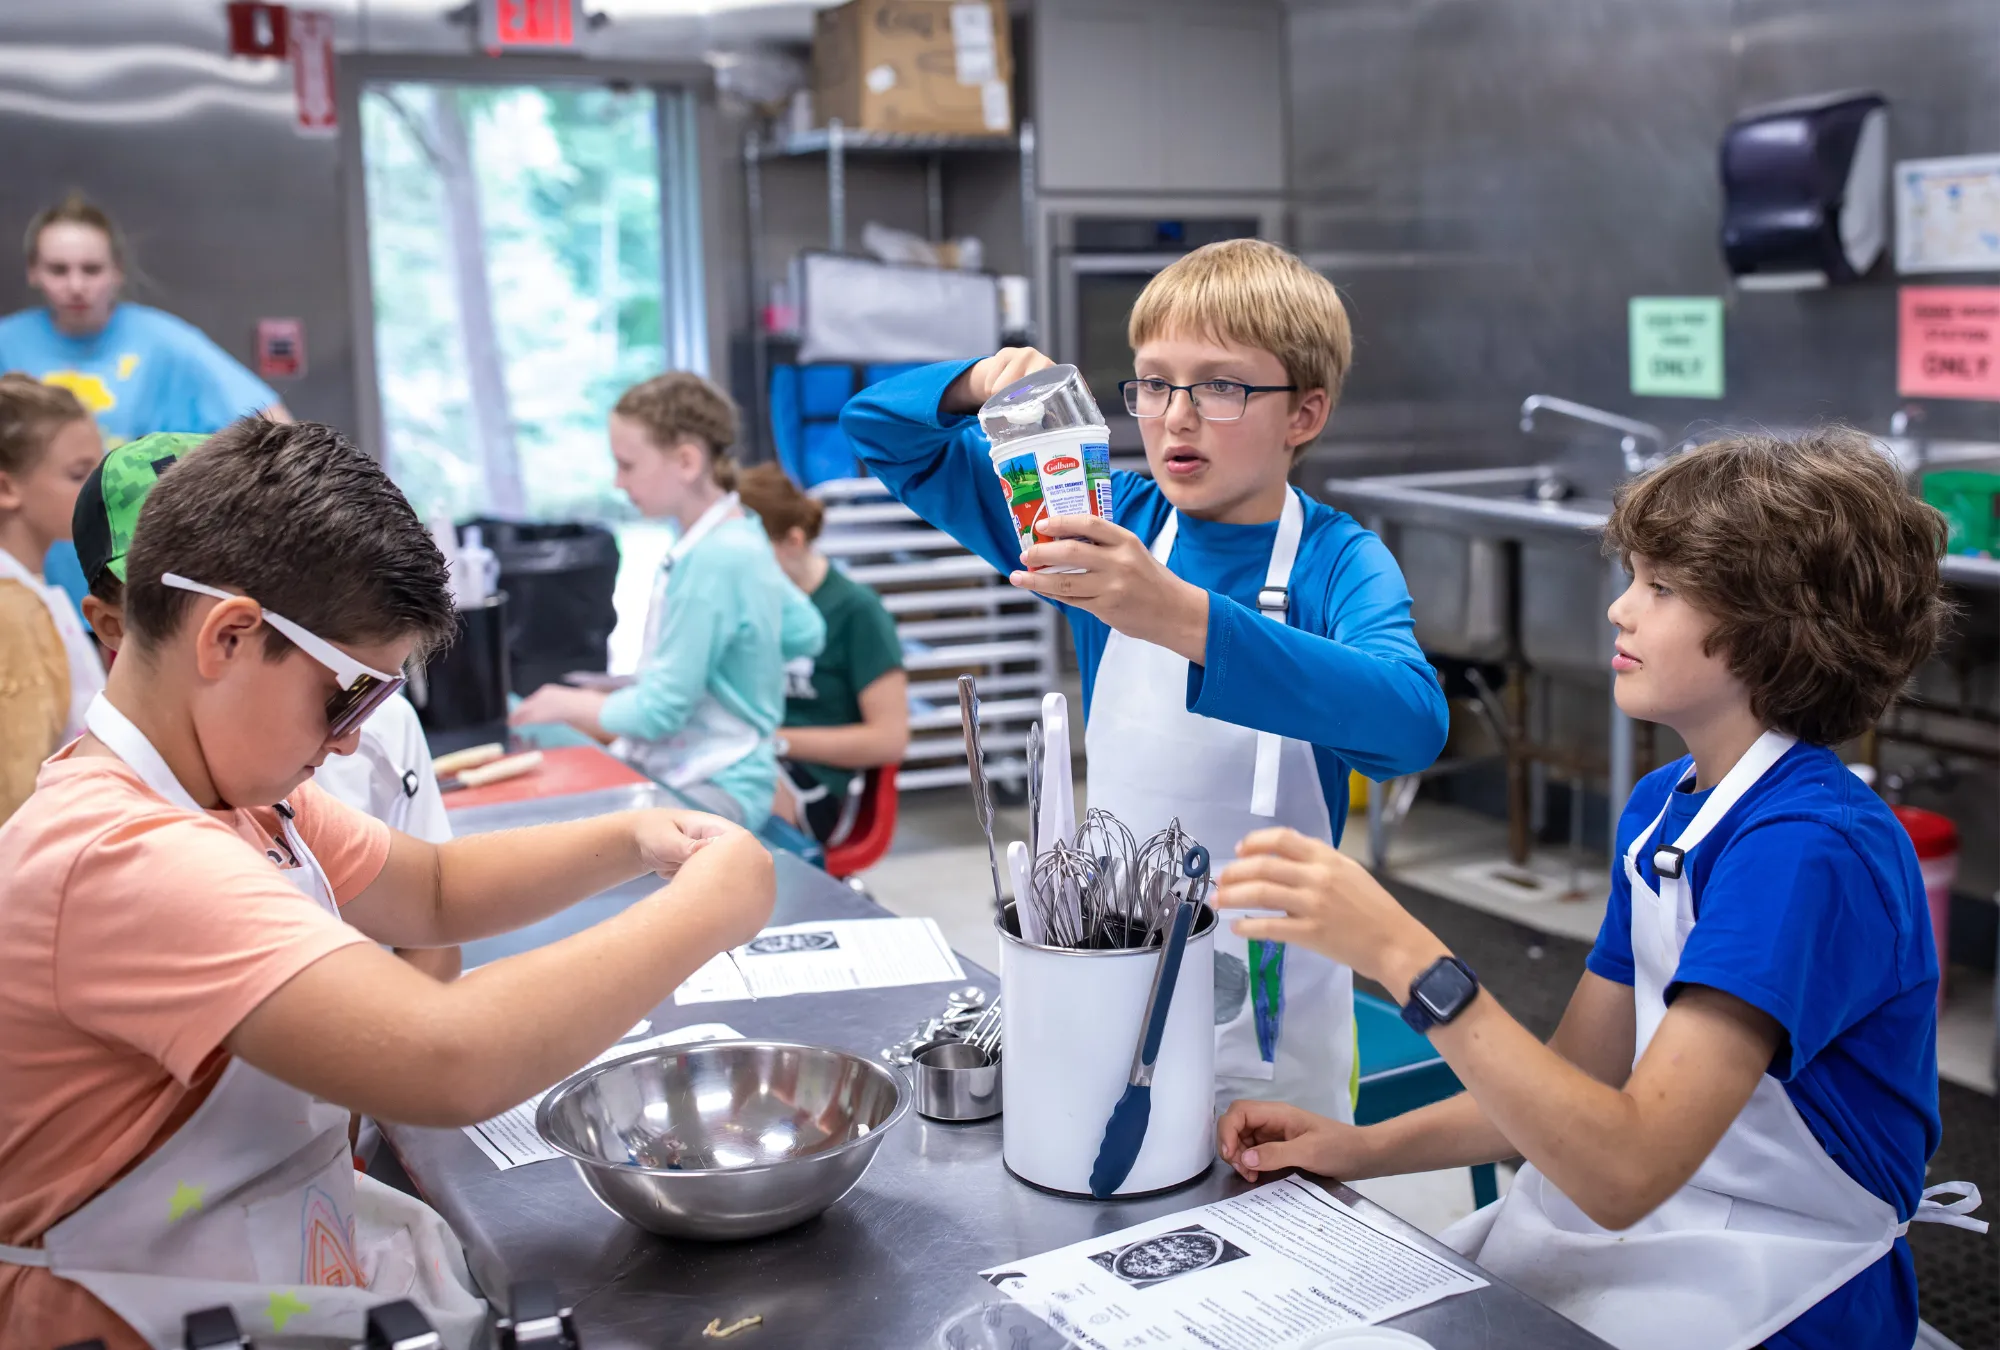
[985, 1033]
[1021, 870]
[1125, 1132]
[982, 790]
[459, 760]
[723, 1140]
[495, 771]
[1036, 753]
[1057, 819]
[956, 1080]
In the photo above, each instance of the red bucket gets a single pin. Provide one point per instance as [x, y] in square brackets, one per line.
[1936, 841]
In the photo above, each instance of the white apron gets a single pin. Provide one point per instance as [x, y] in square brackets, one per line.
[1766, 1227]
[712, 738]
[86, 670]
[254, 1201]
[1284, 1015]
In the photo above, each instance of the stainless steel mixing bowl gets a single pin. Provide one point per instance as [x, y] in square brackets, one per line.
[723, 1140]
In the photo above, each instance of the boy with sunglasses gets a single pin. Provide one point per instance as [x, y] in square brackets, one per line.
[196, 996]
[1242, 646]
[389, 775]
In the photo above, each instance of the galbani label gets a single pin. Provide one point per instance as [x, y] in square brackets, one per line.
[1056, 477]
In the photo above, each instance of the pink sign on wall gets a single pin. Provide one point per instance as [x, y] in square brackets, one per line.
[1948, 342]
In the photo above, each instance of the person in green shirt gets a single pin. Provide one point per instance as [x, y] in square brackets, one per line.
[848, 709]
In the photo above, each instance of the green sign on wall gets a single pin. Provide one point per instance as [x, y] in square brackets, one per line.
[1677, 346]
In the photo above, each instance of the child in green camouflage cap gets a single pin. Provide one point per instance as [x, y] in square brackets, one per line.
[107, 511]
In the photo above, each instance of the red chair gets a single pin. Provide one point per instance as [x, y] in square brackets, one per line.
[874, 826]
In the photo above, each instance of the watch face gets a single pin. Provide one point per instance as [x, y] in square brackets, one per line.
[1443, 989]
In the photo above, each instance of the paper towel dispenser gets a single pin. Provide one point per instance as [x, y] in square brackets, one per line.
[1805, 191]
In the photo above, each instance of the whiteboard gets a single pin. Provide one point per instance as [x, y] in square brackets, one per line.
[1948, 214]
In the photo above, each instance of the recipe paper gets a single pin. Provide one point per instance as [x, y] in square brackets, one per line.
[510, 1139]
[1267, 1269]
[825, 956]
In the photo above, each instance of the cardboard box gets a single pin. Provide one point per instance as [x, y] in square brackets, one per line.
[942, 66]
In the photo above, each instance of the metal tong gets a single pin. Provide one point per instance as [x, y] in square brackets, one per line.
[982, 790]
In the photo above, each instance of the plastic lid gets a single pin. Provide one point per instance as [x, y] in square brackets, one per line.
[1934, 835]
[1048, 400]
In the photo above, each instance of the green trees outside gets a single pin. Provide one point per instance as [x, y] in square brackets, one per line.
[514, 237]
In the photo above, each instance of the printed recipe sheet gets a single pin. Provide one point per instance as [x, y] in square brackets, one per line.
[825, 956]
[1264, 1270]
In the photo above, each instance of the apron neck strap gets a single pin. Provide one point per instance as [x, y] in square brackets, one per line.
[126, 741]
[725, 508]
[1744, 775]
[1275, 595]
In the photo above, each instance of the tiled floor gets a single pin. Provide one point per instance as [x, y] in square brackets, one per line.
[1529, 949]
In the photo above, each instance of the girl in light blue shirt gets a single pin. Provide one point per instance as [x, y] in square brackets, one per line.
[710, 693]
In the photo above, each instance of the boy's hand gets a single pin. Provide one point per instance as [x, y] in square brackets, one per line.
[1330, 903]
[668, 838]
[1255, 1137]
[981, 381]
[559, 703]
[1120, 581]
[733, 883]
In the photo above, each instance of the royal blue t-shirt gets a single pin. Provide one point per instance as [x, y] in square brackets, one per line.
[144, 371]
[1809, 905]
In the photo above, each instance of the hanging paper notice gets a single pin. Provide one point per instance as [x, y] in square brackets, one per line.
[1271, 1268]
[1948, 214]
[1677, 346]
[1948, 342]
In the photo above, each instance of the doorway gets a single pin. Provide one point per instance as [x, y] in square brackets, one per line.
[532, 249]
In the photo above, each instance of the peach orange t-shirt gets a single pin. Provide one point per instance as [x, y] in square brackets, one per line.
[134, 937]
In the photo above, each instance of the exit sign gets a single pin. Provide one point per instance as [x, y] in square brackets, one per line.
[529, 25]
[1677, 346]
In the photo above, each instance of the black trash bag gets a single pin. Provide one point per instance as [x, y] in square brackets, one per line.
[559, 579]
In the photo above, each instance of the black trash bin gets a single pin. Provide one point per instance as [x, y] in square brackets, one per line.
[559, 579]
[464, 687]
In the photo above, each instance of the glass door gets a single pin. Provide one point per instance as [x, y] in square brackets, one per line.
[531, 254]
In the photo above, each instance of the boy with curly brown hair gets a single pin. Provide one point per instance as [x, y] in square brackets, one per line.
[1726, 1137]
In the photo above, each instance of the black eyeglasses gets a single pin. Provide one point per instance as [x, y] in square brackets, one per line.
[1213, 400]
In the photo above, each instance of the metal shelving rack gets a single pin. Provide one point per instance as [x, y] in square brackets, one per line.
[837, 142]
[956, 615]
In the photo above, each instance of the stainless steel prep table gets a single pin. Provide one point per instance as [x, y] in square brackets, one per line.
[893, 1264]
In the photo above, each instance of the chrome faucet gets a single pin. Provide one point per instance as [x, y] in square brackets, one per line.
[1903, 424]
[1631, 432]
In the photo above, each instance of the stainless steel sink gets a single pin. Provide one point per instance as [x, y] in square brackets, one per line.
[1450, 532]
[1460, 534]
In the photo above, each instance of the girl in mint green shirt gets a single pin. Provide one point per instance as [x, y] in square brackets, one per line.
[710, 691]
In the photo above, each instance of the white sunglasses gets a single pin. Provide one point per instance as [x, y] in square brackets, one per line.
[363, 689]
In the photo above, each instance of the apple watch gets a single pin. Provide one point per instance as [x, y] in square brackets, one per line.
[1440, 994]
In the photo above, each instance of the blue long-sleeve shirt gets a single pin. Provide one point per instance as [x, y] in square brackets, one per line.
[1345, 675]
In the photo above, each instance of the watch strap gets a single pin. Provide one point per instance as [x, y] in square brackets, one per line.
[1418, 1017]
